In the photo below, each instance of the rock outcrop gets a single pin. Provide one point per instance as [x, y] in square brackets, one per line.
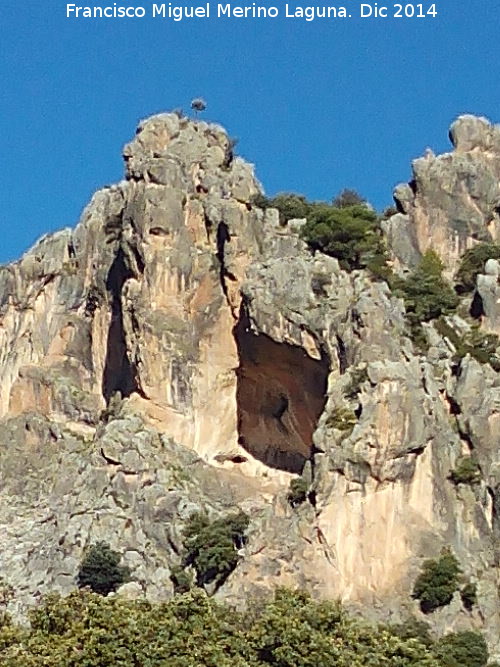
[453, 199]
[181, 349]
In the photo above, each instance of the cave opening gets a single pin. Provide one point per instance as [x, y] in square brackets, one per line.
[281, 393]
[476, 310]
[119, 373]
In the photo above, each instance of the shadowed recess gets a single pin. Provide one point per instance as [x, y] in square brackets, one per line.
[281, 393]
[119, 374]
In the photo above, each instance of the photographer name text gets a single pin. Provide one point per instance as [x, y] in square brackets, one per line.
[174, 12]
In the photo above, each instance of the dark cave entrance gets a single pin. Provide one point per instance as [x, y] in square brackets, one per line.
[281, 393]
[119, 373]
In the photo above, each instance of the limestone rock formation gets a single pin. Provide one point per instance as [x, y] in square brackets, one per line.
[180, 349]
[453, 199]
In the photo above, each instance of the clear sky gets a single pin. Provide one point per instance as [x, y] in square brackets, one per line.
[317, 106]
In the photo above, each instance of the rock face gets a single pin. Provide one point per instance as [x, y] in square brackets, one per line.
[180, 349]
[453, 199]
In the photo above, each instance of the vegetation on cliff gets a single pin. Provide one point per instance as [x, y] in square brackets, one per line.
[349, 233]
[211, 548]
[427, 295]
[437, 582]
[472, 263]
[192, 630]
[347, 229]
[101, 571]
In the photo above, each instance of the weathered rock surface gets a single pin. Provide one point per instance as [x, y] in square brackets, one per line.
[181, 350]
[452, 200]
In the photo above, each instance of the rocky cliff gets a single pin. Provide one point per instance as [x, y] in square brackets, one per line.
[181, 349]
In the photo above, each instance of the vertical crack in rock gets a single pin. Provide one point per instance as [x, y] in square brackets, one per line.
[119, 373]
[476, 310]
[223, 237]
[281, 393]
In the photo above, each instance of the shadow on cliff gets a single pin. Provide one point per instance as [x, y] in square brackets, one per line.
[281, 393]
[119, 373]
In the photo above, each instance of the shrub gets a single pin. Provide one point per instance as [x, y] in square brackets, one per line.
[211, 546]
[6, 592]
[466, 471]
[347, 197]
[181, 579]
[412, 628]
[193, 630]
[462, 649]
[472, 263]
[289, 205]
[426, 293]
[351, 234]
[100, 569]
[389, 211]
[342, 419]
[358, 376]
[297, 493]
[437, 582]
[481, 347]
[469, 595]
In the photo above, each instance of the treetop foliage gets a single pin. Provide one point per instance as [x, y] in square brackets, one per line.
[462, 648]
[427, 295]
[472, 263]
[348, 197]
[101, 571]
[297, 491]
[193, 630]
[211, 546]
[348, 228]
[437, 582]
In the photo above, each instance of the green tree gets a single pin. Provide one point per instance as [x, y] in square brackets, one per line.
[351, 234]
[295, 631]
[289, 204]
[211, 546]
[426, 293]
[193, 630]
[462, 649]
[100, 569]
[297, 493]
[412, 628]
[437, 582]
[472, 263]
[466, 471]
[347, 197]
[88, 630]
[469, 595]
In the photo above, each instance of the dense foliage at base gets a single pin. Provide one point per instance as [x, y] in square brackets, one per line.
[192, 630]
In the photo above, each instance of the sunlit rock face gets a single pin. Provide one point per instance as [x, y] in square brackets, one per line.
[452, 201]
[181, 350]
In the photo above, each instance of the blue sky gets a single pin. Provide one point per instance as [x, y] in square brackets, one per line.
[317, 106]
